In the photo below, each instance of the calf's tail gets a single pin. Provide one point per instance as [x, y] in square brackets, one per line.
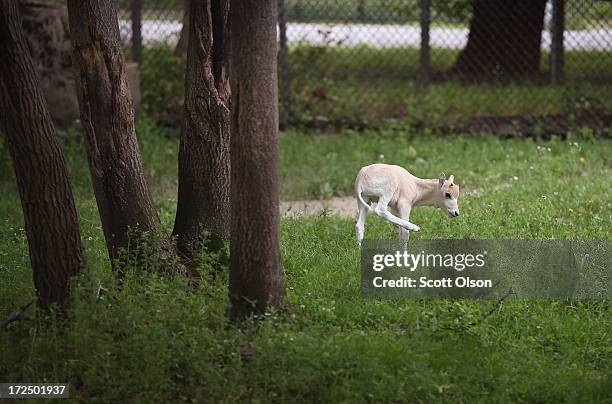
[360, 199]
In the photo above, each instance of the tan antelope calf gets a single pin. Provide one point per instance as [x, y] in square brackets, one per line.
[394, 186]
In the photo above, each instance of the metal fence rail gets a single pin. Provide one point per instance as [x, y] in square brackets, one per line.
[469, 64]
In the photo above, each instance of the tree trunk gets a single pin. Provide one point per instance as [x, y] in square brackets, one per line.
[45, 24]
[504, 40]
[181, 45]
[204, 156]
[256, 275]
[123, 197]
[51, 222]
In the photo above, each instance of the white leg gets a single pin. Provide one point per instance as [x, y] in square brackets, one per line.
[404, 234]
[360, 226]
[383, 211]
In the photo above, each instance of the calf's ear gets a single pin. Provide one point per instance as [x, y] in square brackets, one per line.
[441, 180]
[451, 179]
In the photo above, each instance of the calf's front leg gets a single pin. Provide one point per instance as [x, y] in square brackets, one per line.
[383, 211]
[404, 234]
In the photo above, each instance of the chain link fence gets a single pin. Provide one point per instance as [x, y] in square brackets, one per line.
[533, 66]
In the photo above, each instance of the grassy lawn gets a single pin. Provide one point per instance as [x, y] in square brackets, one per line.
[155, 340]
[366, 86]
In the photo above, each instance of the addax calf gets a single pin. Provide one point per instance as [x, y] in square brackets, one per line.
[393, 186]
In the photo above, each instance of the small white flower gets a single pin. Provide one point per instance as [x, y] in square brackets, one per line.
[381, 156]
[515, 178]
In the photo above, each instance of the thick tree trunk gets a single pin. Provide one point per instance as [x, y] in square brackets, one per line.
[123, 197]
[504, 40]
[256, 275]
[204, 156]
[45, 24]
[51, 222]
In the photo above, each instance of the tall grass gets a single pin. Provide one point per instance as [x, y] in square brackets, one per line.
[155, 339]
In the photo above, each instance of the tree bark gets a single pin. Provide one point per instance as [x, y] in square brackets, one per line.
[45, 24]
[504, 40]
[204, 155]
[107, 116]
[51, 222]
[256, 275]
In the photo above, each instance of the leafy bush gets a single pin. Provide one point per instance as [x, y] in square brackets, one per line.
[162, 84]
[373, 11]
[580, 14]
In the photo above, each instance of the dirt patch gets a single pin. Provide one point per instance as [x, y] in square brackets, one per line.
[343, 206]
[346, 206]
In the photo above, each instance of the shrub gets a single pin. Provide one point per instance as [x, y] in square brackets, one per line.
[161, 82]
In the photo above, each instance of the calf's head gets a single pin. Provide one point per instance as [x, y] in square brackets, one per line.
[449, 195]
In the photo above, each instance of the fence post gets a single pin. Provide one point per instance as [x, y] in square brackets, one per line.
[136, 17]
[557, 57]
[283, 64]
[424, 50]
[361, 14]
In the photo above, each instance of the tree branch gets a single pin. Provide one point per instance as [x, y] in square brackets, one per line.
[16, 315]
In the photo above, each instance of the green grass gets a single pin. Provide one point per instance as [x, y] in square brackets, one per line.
[365, 86]
[154, 340]
[501, 170]
[403, 63]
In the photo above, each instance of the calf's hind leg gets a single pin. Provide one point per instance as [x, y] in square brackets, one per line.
[360, 226]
